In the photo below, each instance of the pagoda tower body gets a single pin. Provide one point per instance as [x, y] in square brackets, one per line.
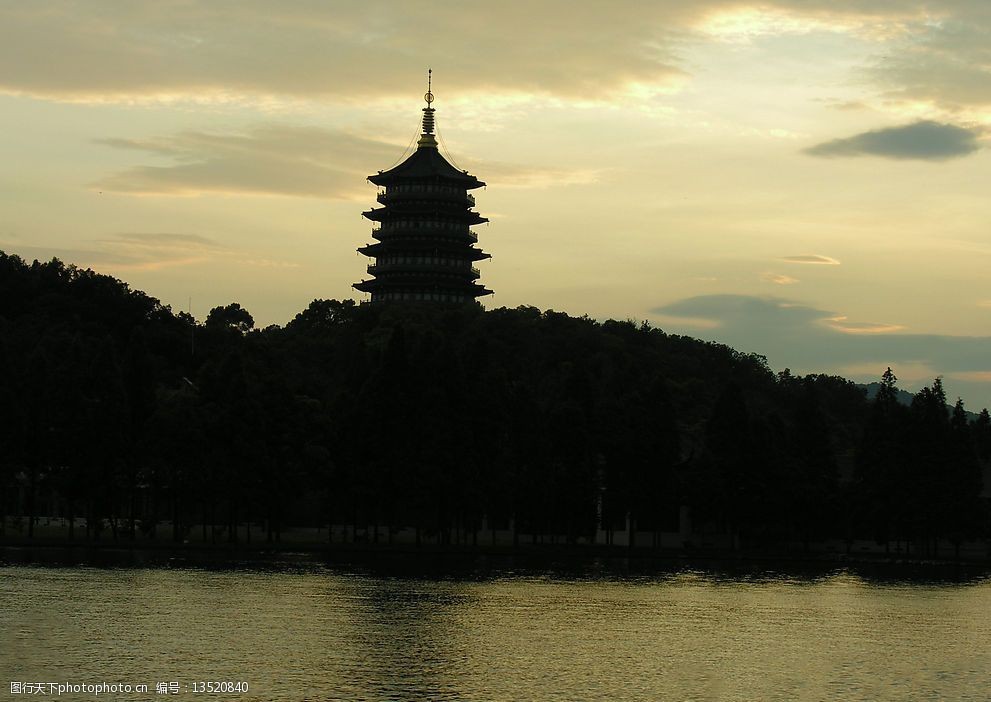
[424, 246]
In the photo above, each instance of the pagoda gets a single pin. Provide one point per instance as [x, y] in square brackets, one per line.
[424, 246]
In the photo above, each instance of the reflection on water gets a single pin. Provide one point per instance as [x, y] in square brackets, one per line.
[324, 634]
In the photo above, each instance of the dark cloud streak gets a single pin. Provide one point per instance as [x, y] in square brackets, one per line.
[925, 140]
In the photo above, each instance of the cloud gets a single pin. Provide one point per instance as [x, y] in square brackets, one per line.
[272, 159]
[944, 61]
[154, 250]
[849, 105]
[286, 160]
[813, 259]
[841, 324]
[106, 257]
[224, 50]
[148, 251]
[509, 175]
[974, 376]
[809, 339]
[83, 257]
[109, 51]
[289, 55]
[930, 53]
[155, 240]
[725, 312]
[277, 53]
[778, 279]
[740, 22]
[925, 140]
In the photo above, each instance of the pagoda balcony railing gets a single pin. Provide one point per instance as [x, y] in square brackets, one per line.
[420, 225]
[428, 230]
[378, 231]
[462, 267]
[386, 197]
[419, 188]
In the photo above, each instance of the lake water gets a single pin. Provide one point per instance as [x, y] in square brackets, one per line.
[323, 633]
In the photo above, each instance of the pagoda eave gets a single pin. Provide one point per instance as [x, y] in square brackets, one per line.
[469, 183]
[380, 285]
[384, 214]
[452, 176]
[380, 249]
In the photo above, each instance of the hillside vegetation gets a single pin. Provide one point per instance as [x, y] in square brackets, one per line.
[115, 409]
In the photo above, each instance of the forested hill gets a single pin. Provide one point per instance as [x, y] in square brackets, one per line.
[432, 417]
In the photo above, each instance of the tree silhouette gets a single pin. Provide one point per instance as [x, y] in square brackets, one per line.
[881, 492]
[440, 419]
[233, 316]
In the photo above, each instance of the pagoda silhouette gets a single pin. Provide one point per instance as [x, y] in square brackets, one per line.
[424, 246]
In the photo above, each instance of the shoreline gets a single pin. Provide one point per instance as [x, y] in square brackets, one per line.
[122, 552]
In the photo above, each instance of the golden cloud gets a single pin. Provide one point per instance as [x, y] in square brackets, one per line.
[840, 324]
[779, 279]
[973, 376]
[813, 259]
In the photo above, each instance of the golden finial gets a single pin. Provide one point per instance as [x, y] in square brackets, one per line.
[427, 137]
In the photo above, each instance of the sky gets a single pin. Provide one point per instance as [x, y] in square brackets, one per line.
[804, 179]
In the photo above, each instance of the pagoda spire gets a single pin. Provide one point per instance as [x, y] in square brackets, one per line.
[427, 139]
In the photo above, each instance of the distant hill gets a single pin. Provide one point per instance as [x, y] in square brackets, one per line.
[904, 397]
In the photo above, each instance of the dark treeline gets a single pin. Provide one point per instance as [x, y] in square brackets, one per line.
[121, 415]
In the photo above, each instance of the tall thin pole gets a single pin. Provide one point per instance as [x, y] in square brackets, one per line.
[192, 329]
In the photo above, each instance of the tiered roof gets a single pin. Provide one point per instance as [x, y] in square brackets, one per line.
[425, 246]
